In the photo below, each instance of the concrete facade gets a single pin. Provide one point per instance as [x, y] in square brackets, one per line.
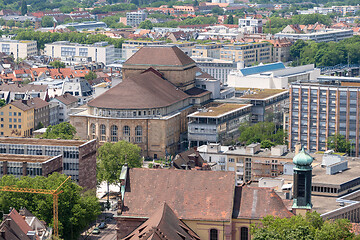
[18, 48]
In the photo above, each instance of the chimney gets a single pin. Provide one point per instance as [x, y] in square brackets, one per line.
[297, 147]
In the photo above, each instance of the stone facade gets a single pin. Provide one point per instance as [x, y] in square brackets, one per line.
[55, 165]
[87, 165]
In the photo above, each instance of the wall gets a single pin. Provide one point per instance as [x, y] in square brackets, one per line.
[87, 165]
[53, 165]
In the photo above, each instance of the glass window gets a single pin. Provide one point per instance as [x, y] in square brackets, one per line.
[244, 233]
[126, 133]
[114, 133]
[93, 130]
[138, 134]
[213, 234]
[102, 132]
[19, 114]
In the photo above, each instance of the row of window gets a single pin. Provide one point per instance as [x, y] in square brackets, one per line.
[12, 113]
[114, 133]
[244, 234]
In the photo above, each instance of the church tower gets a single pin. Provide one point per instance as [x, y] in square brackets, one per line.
[302, 183]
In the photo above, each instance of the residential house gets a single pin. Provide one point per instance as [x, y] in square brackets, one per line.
[65, 102]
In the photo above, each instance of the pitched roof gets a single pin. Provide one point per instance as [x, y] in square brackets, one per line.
[24, 105]
[15, 227]
[37, 103]
[258, 202]
[192, 195]
[163, 222]
[67, 98]
[145, 90]
[189, 158]
[23, 88]
[159, 56]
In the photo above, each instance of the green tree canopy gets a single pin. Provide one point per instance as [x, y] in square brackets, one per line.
[23, 7]
[312, 226]
[90, 76]
[63, 131]
[338, 143]
[218, 11]
[47, 21]
[230, 19]
[77, 209]
[2, 102]
[112, 156]
[57, 64]
[147, 24]
[260, 132]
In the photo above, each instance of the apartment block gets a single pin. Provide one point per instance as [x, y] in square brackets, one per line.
[329, 35]
[135, 18]
[18, 48]
[98, 52]
[78, 157]
[211, 50]
[249, 53]
[317, 111]
[256, 24]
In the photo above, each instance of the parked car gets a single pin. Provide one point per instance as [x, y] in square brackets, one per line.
[102, 225]
[96, 230]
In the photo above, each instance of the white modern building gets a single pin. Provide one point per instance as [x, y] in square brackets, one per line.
[217, 68]
[254, 23]
[98, 52]
[329, 35]
[271, 76]
[135, 18]
[18, 48]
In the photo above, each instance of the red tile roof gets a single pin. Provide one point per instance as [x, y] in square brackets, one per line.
[159, 56]
[67, 98]
[192, 195]
[142, 91]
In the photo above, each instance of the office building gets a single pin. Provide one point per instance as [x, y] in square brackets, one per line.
[135, 18]
[211, 50]
[29, 165]
[18, 48]
[250, 22]
[328, 35]
[78, 157]
[98, 52]
[217, 68]
[249, 53]
[318, 111]
[219, 123]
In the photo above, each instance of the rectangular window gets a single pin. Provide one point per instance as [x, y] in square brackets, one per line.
[10, 113]
[19, 114]
[14, 119]
[83, 52]
[10, 126]
[10, 119]
[14, 114]
[19, 126]
[19, 120]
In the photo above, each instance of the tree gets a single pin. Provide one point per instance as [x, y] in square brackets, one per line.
[27, 23]
[312, 226]
[196, 3]
[57, 64]
[63, 131]
[47, 21]
[217, 11]
[10, 23]
[90, 76]
[39, 125]
[147, 24]
[260, 132]
[338, 143]
[297, 48]
[267, 143]
[23, 7]
[77, 209]
[230, 19]
[112, 156]
[2, 102]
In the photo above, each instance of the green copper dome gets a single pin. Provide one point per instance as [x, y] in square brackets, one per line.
[303, 159]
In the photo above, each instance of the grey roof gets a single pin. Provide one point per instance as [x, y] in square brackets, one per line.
[262, 68]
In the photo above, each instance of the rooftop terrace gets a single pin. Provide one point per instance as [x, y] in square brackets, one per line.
[220, 110]
[256, 93]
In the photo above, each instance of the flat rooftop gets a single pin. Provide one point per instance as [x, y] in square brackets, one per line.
[24, 158]
[256, 93]
[220, 110]
[45, 142]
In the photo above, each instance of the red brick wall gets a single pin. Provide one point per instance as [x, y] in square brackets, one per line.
[55, 165]
[87, 165]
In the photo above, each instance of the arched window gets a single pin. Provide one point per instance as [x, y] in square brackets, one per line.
[93, 130]
[138, 134]
[126, 133]
[114, 133]
[214, 234]
[102, 132]
[244, 235]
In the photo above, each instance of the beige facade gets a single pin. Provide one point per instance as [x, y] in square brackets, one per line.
[15, 122]
[98, 52]
[207, 50]
[18, 48]
[249, 53]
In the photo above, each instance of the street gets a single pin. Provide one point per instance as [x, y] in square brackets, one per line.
[108, 233]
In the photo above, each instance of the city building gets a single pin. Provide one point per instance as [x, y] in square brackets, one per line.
[135, 18]
[271, 76]
[218, 123]
[54, 113]
[328, 35]
[98, 52]
[13, 92]
[254, 23]
[78, 157]
[211, 50]
[149, 107]
[21, 19]
[17, 119]
[249, 162]
[219, 69]
[91, 25]
[18, 48]
[249, 53]
[29, 165]
[207, 202]
[64, 105]
[23, 225]
[318, 111]
[130, 47]
[41, 112]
